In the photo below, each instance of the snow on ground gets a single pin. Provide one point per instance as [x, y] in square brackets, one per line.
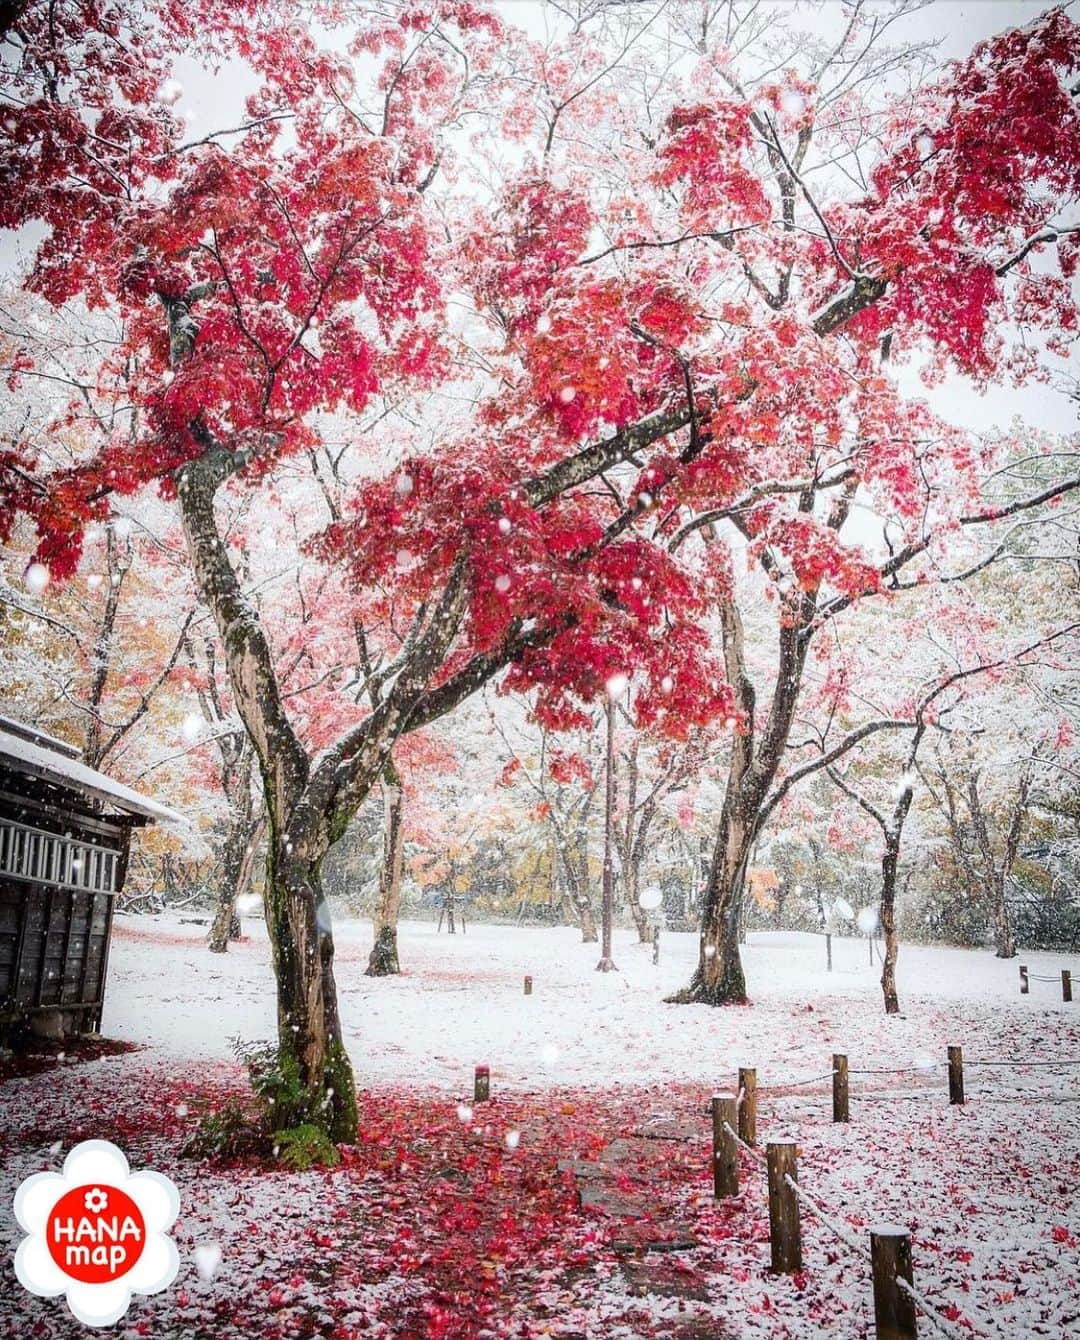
[441, 1229]
[460, 1002]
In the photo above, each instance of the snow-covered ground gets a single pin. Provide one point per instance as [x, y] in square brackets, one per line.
[460, 1001]
[441, 1228]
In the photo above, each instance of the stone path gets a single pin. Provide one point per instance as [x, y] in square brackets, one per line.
[626, 1183]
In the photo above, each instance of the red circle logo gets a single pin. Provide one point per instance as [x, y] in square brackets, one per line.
[95, 1233]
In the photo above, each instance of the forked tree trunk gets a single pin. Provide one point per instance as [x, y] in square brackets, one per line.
[632, 873]
[383, 960]
[311, 1055]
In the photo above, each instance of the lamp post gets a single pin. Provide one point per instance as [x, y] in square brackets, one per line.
[607, 963]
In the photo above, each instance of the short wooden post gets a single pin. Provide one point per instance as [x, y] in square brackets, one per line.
[828, 952]
[890, 1261]
[1025, 985]
[785, 1237]
[748, 1105]
[1066, 984]
[482, 1084]
[725, 1152]
[840, 1088]
[528, 986]
[656, 945]
[956, 1075]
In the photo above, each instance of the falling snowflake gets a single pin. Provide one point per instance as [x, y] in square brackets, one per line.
[191, 727]
[36, 578]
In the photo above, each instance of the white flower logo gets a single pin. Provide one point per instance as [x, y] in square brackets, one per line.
[96, 1200]
[96, 1232]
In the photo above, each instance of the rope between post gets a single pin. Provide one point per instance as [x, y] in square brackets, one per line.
[796, 1083]
[901, 1070]
[1020, 1065]
[749, 1148]
[922, 1303]
[927, 1309]
[822, 1217]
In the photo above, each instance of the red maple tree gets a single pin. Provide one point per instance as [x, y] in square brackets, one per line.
[675, 331]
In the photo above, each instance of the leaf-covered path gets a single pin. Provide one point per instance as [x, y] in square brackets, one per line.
[566, 1213]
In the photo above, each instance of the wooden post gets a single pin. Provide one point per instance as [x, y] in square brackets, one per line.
[890, 1260]
[482, 1084]
[839, 1088]
[1025, 985]
[725, 1152]
[956, 1075]
[656, 945]
[784, 1235]
[528, 986]
[828, 952]
[1066, 984]
[748, 1105]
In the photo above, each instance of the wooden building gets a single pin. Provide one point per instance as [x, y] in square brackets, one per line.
[65, 830]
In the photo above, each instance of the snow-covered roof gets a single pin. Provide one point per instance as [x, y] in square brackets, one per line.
[30, 751]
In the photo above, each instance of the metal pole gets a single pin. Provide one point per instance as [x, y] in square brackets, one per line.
[606, 963]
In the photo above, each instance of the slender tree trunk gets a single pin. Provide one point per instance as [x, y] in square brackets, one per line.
[239, 853]
[383, 961]
[889, 863]
[236, 866]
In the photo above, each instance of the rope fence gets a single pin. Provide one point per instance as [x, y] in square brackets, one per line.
[896, 1300]
[889, 1257]
[1027, 977]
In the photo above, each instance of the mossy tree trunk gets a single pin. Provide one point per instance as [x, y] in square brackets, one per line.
[309, 1025]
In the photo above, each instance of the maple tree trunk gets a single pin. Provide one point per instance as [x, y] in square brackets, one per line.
[383, 960]
[309, 1027]
[719, 978]
[310, 1050]
[889, 863]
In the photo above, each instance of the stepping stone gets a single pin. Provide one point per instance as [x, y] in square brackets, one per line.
[608, 1199]
[664, 1280]
[654, 1238]
[584, 1170]
[671, 1130]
